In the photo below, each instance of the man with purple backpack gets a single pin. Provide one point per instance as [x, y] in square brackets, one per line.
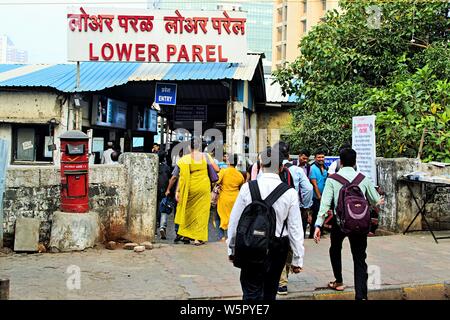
[350, 192]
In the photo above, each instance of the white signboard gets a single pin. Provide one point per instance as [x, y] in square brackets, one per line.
[363, 142]
[27, 145]
[144, 35]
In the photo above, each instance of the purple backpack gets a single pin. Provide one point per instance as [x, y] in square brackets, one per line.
[352, 210]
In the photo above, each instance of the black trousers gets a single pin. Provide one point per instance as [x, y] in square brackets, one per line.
[304, 213]
[358, 245]
[260, 282]
[315, 210]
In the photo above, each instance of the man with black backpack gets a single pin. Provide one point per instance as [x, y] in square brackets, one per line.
[350, 192]
[264, 223]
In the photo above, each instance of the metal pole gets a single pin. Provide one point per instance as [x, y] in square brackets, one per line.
[4, 289]
[78, 74]
[167, 137]
[419, 154]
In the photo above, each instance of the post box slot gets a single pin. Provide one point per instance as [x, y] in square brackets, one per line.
[76, 185]
[67, 172]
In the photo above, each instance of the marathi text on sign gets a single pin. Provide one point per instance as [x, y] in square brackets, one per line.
[156, 36]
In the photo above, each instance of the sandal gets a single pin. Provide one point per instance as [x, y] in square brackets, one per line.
[199, 242]
[338, 286]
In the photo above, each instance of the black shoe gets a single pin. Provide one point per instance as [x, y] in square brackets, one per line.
[282, 290]
[162, 233]
[186, 240]
[177, 239]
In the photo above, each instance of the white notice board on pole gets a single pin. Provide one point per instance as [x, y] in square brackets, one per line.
[363, 142]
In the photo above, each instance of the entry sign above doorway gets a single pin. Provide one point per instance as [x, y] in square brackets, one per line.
[166, 93]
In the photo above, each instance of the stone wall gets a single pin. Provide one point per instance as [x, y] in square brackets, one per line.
[400, 208]
[123, 195]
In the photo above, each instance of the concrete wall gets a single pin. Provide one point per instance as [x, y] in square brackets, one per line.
[276, 121]
[29, 107]
[38, 107]
[400, 207]
[124, 196]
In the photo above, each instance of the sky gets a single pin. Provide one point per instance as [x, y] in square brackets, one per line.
[40, 26]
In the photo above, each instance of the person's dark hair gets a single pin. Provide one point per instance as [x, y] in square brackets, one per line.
[319, 151]
[283, 148]
[196, 143]
[268, 155]
[345, 146]
[161, 156]
[305, 152]
[115, 156]
[348, 157]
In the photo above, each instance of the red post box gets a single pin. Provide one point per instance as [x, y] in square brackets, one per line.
[74, 172]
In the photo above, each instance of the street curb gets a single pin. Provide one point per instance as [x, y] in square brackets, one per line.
[425, 291]
[432, 291]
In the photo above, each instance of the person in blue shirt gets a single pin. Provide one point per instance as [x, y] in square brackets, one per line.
[318, 176]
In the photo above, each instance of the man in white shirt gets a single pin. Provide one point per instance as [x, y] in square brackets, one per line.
[260, 282]
[106, 158]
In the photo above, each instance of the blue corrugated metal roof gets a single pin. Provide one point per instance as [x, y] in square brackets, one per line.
[7, 67]
[201, 71]
[54, 77]
[95, 76]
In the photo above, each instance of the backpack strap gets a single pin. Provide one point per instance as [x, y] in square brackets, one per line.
[254, 190]
[276, 194]
[339, 179]
[358, 179]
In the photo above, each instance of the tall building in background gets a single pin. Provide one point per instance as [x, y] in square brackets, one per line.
[259, 17]
[292, 20]
[9, 53]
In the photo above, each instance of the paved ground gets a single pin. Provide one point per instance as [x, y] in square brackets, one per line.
[179, 271]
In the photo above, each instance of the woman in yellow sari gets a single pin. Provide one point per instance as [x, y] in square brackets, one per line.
[194, 194]
[231, 181]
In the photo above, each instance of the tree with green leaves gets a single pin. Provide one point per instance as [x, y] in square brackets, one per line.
[388, 58]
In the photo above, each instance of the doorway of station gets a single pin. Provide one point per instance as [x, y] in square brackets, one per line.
[188, 120]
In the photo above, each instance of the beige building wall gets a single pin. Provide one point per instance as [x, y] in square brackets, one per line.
[292, 20]
[274, 123]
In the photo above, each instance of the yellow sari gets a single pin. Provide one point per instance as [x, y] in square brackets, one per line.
[231, 181]
[194, 199]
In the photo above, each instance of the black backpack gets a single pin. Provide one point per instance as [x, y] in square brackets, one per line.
[286, 176]
[255, 233]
